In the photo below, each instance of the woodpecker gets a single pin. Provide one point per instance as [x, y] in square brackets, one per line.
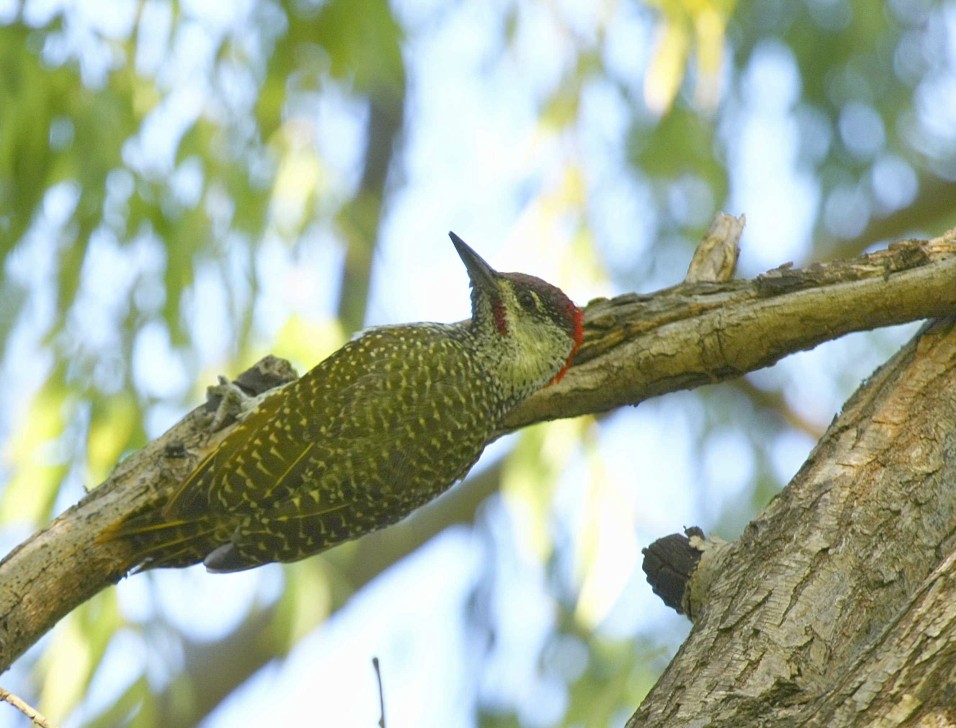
[382, 426]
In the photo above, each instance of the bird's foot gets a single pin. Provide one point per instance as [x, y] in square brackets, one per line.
[230, 402]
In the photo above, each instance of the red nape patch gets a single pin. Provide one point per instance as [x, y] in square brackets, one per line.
[577, 318]
[501, 322]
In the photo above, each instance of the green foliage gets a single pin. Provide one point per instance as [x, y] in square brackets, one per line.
[364, 47]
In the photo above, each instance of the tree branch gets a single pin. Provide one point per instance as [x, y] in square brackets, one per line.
[635, 347]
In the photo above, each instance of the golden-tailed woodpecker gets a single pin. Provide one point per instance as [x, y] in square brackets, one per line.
[384, 425]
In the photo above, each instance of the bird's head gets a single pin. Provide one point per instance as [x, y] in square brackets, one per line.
[531, 327]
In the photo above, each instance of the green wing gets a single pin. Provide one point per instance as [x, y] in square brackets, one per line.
[375, 417]
[254, 464]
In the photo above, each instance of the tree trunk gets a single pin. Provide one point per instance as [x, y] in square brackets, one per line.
[837, 605]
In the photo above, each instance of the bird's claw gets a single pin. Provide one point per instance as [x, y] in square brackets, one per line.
[233, 403]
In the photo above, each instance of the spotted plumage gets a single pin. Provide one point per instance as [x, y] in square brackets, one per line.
[381, 427]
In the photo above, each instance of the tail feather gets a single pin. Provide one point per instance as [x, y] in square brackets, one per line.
[156, 544]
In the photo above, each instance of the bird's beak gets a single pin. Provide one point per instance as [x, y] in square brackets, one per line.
[481, 274]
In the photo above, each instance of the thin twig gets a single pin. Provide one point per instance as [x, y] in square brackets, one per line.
[381, 693]
[32, 713]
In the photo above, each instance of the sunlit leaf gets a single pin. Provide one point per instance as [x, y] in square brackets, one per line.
[113, 422]
[32, 456]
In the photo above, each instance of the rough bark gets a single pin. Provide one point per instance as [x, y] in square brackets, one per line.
[636, 347]
[837, 605]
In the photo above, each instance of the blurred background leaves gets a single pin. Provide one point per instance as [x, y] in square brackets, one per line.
[185, 187]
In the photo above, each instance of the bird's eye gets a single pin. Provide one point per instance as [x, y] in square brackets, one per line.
[528, 301]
